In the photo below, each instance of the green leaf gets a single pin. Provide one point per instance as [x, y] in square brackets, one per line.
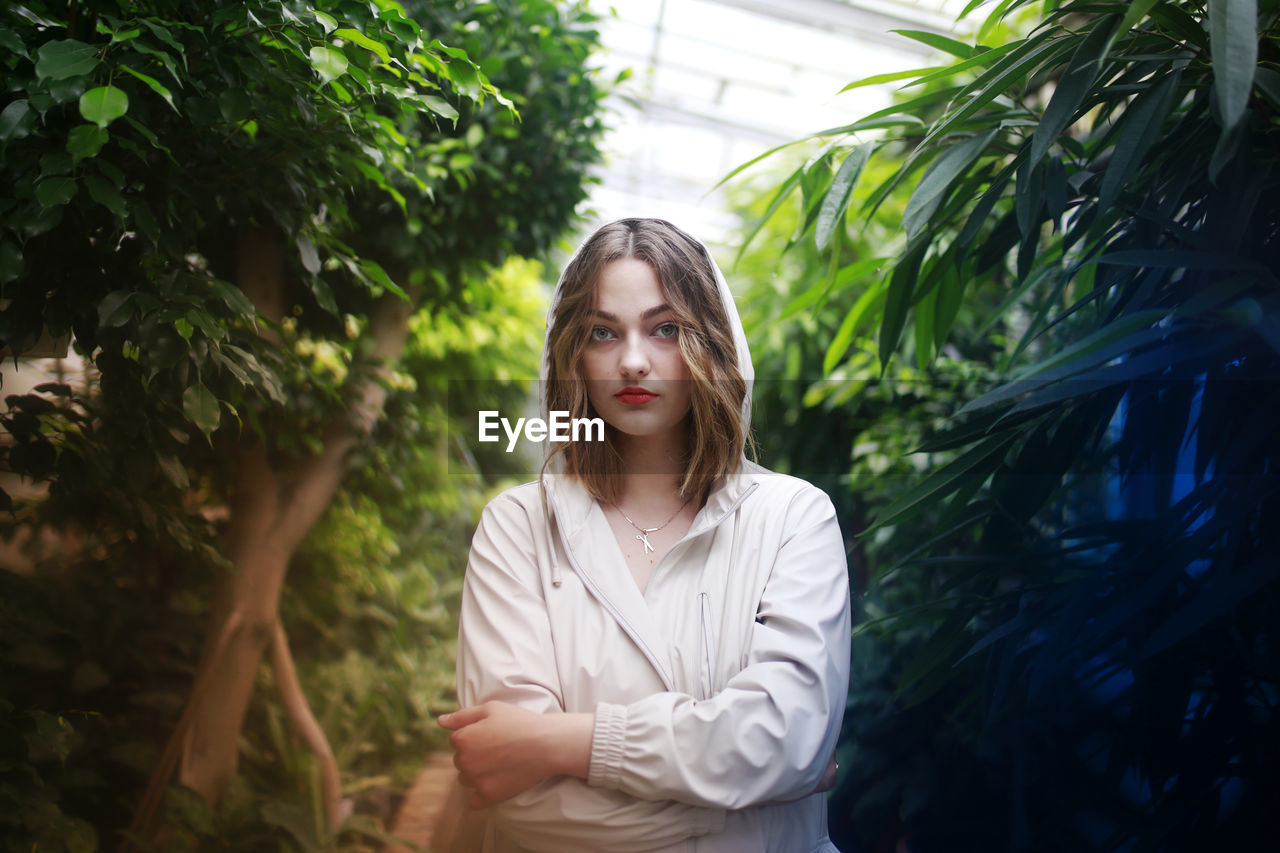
[1211, 601]
[816, 292]
[977, 462]
[327, 21]
[67, 58]
[328, 63]
[162, 57]
[813, 188]
[307, 254]
[234, 104]
[899, 297]
[13, 43]
[1233, 41]
[165, 36]
[996, 16]
[364, 41]
[889, 77]
[201, 407]
[868, 303]
[120, 36]
[982, 210]
[234, 369]
[1124, 336]
[234, 298]
[939, 41]
[947, 303]
[114, 309]
[1141, 127]
[11, 263]
[379, 277]
[978, 60]
[439, 106]
[938, 177]
[836, 200]
[924, 328]
[106, 195]
[103, 105]
[1070, 92]
[174, 470]
[205, 322]
[86, 140]
[1055, 188]
[1138, 10]
[997, 81]
[52, 192]
[1094, 374]
[1178, 259]
[788, 186]
[148, 135]
[155, 85]
[184, 328]
[1181, 24]
[15, 120]
[1028, 199]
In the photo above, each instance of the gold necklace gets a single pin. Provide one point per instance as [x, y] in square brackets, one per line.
[643, 535]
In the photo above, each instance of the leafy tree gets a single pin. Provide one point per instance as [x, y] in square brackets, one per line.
[1093, 611]
[238, 209]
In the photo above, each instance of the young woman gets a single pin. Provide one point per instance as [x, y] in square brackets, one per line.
[654, 641]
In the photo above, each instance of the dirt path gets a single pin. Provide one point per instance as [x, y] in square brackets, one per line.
[434, 813]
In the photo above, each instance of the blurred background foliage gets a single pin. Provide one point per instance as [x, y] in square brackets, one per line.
[391, 164]
[1048, 275]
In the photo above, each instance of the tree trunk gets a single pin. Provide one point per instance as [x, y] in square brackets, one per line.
[271, 511]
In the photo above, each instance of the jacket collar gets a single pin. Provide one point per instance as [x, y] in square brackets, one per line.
[571, 504]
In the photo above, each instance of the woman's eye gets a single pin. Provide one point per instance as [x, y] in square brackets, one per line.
[667, 330]
[600, 333]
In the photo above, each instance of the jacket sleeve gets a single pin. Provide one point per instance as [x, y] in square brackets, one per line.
[505, 653]
[767, 735]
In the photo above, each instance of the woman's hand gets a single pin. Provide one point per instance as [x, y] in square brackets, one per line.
[502, 749]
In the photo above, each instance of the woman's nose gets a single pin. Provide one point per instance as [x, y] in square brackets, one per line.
[634, 360]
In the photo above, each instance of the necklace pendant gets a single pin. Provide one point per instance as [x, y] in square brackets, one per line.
[644, 537]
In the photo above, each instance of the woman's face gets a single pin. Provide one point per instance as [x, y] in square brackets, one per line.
[636, 376]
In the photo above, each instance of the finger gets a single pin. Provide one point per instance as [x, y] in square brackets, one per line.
[462, 717]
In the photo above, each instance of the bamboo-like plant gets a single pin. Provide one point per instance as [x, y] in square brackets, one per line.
[1103, 595]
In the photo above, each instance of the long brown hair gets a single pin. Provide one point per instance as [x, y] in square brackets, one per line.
[717, 430]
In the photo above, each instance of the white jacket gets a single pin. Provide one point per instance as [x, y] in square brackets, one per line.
[720, 688]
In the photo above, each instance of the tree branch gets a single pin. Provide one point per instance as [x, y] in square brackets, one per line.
[177, 744]
[318, 479]
[260, 274]
[295, 704]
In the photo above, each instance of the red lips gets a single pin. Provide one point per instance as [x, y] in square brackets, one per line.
[634, 396]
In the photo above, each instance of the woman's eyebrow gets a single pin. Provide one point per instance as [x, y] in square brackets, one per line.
[652, 312]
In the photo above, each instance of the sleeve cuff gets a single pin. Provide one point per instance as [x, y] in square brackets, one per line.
[607, 739]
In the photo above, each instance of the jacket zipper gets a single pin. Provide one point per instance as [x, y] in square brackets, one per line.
[704, 662]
